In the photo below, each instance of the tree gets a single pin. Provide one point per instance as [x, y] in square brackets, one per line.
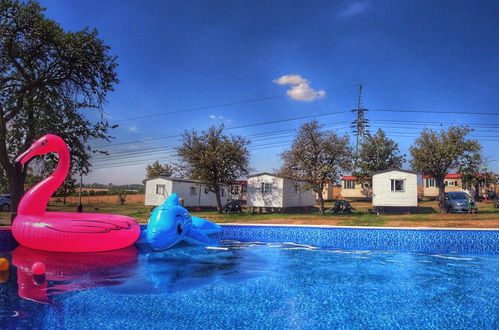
[436, 153]
[317, 157]
[4, 182]
[157, 169]
[66, 189]
[47, 77]
[214, 159]
[377, 153]
[469, 168]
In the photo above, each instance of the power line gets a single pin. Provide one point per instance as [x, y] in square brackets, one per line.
[443, 112]
[214, 106]
[229, 128]
[258, 137]
[434, 123]
[173, 156]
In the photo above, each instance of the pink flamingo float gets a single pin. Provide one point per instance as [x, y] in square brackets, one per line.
[65, 231]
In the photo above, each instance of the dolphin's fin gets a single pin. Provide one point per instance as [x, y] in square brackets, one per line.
[172, 200]
[205, 226]
[194, 236]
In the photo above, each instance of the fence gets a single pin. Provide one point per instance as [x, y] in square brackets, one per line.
[107, 199]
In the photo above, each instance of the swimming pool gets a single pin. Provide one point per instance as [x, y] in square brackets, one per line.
[266, 277]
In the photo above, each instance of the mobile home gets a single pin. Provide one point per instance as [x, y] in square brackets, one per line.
[191, 192]
[395, 191]
[266, 190]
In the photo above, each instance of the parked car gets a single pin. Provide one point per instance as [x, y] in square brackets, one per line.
[5, 203]
[234, 205]
[490, 195]
[457, 201]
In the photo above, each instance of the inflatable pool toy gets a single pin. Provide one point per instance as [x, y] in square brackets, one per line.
[171, 223]
[4, 264]
[65, 231]
[38, 268]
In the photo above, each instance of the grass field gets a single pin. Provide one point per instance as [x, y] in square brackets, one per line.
[428, 216]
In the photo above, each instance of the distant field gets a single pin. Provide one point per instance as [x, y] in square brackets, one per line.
[488, 216]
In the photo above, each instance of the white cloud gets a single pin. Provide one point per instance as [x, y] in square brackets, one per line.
[303, 92]
[133, 128]
[222, 119]
[291, 79]
[300, 89]
[354, 8]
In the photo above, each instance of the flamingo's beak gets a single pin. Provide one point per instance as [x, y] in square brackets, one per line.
[25, 156]
[36, 149]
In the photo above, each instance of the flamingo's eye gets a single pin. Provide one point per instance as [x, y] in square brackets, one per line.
[44, 143]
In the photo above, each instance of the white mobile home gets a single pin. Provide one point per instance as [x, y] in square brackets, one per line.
[267, 190]
[193, 193]
[395, 191]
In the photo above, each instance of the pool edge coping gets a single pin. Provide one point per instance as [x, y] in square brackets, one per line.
[355, 227]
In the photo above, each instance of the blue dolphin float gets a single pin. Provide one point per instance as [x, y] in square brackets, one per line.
[171, 223]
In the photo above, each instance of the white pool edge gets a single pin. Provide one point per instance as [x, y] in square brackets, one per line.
[355, 227]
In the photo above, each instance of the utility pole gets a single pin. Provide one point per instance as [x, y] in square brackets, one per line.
[80, 206]
[360, 124]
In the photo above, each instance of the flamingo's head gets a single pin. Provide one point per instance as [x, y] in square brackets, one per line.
[44, 145]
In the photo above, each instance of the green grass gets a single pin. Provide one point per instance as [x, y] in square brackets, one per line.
[427, 216]
[365, 220]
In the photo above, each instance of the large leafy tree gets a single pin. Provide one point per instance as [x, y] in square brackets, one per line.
[48, 76]
[436, 153]
[317, 157]
[377, 153]
[214, 159]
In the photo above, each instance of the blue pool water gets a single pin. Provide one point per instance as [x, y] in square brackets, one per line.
[252, 285]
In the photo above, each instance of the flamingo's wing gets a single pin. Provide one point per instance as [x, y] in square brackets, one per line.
[89, 225]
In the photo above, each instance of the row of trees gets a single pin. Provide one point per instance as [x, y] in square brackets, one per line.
[319, 156]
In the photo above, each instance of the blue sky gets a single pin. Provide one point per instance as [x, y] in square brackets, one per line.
[220, 62]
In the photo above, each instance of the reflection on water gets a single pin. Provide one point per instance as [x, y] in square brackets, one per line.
[130, 270]
[187, 267]
[67, 272]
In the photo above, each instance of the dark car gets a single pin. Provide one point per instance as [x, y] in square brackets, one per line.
[490, 195]
[5, 203]
[233, 206]
[457, 202]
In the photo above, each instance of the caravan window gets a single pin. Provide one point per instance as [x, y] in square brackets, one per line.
[234, 190]
[266, 188]
[398, 185]
[349, 184]
[160, 189]
[429, 183]
[193, 191]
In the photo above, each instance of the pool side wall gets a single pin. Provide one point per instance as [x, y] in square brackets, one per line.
[411, 240]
